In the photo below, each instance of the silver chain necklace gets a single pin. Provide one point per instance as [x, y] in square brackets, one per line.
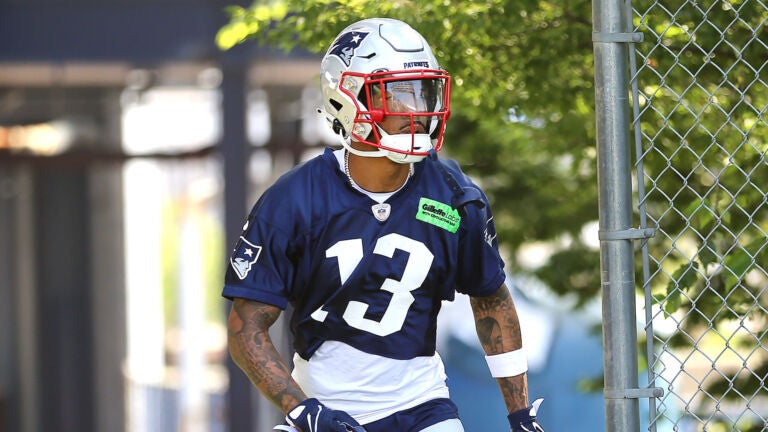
[352, 181]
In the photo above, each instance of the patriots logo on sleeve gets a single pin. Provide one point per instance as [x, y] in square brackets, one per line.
[244, 257]
[345, 46]
[489, 232]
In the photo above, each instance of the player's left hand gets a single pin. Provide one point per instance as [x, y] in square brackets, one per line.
[524, 420]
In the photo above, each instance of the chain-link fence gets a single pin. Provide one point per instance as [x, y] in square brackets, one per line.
[699, 113]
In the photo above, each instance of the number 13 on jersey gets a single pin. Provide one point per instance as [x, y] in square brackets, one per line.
[349, 253]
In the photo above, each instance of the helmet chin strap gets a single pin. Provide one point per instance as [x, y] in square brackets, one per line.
[394, 156]
[347, 144]
[402, 140]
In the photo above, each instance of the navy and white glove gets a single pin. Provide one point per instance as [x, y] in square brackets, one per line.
[312, 416]
[524, 420]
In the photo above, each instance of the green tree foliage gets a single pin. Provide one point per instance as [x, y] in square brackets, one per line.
[522, 103]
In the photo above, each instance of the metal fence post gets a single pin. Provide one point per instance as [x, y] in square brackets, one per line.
[615, 213]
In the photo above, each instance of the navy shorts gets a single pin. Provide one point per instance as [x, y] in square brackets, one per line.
[416, 418]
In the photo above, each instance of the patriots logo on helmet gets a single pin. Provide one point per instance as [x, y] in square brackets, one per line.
[346, 44]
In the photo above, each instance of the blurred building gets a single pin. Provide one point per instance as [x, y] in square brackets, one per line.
[111, 108]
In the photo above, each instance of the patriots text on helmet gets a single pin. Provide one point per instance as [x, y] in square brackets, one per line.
[416, 64]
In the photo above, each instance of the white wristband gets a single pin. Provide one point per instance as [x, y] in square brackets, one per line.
[507, 364]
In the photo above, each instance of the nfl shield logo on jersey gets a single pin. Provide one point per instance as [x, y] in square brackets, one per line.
[381, 211]
[245, 255]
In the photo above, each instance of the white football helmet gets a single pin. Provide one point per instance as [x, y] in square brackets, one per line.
[379, 73]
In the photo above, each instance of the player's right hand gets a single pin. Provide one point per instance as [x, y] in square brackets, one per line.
[312, 416]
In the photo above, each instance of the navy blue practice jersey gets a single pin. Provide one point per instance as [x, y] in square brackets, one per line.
[370, 275]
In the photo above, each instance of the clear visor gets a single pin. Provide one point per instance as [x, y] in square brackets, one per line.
[408, 96]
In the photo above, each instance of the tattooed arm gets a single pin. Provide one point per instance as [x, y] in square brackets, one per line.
[498, 328]
[253, 351]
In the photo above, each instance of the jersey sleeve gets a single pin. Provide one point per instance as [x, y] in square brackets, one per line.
[481, 268]
[260, 263]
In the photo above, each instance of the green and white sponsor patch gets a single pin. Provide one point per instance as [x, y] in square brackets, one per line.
[438, 214]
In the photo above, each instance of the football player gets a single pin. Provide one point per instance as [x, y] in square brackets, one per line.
[364, 243]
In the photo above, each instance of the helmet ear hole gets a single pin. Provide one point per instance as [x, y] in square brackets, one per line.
[336, 104]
